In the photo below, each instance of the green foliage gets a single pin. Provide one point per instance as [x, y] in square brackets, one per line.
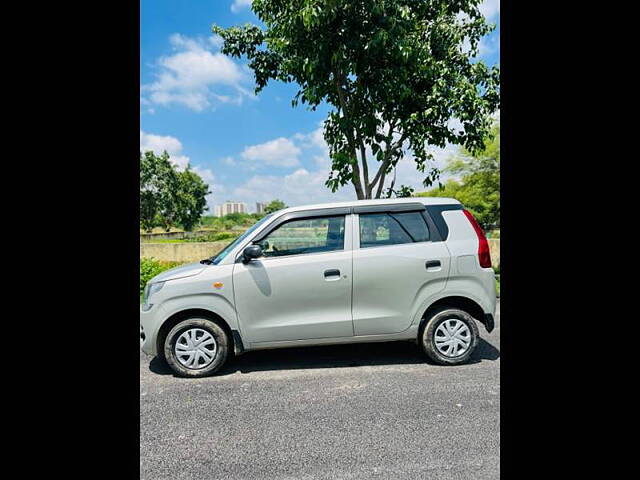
[231, 221]
[150, 267]
[212, 237]
[479, 188]
[274, 206]
[450, 188]
[157, 180]
[394, 71]
[403, 192]
[169, 197]
[190, 199]
[237, 218]
[222, 236]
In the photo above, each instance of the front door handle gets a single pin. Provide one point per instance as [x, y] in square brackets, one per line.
[432, 264]
[332, 273]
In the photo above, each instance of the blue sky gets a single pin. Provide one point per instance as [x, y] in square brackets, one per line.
[199, 105]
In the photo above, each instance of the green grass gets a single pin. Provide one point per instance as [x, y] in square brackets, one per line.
[177, 240]
[213, 236]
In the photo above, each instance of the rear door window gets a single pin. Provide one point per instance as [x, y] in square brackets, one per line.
[380, 229]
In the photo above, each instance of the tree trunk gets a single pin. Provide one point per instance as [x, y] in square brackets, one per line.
[355, 168]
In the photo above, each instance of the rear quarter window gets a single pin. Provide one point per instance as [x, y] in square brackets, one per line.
[435, 212]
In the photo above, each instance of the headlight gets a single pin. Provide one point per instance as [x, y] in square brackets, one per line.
[149, 290]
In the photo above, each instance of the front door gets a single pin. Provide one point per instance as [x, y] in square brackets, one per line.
[301, 288]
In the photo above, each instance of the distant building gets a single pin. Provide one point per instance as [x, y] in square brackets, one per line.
[260, 207]
[217, 211]
[232, 207]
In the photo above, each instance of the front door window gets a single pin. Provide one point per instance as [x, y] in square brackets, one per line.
[312, 235]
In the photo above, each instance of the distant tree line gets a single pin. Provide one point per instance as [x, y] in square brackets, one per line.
[228, 222]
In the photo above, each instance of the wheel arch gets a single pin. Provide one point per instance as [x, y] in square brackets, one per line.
[177, 317]
[466, 304]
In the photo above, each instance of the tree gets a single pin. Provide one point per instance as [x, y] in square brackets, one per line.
[479, 188]
[157, 179]
[191, 198]
[396, 73]
[169, 197]
[274, 206]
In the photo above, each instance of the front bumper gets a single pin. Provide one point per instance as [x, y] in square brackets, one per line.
[148, 332]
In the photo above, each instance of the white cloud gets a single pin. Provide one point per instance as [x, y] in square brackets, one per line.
[196, 76]
[158, 144]
[205, 173]
[313, 139]
[280, 152]
[306, 184]
[238, 5]
[408, 174]
[297, 188]
[161, 143]
[209, 178]
[490, 8]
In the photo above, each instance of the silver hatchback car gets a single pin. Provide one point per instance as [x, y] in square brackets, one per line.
[364, 271]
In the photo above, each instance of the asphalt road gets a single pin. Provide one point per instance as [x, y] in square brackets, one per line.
[374, 411]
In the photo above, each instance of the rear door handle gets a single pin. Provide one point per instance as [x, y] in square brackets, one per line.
[432, 264]
[334, 272]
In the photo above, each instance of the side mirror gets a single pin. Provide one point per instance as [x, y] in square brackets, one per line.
[251, 253]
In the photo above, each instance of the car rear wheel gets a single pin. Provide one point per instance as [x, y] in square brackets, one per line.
[196, 347]
[449, 336]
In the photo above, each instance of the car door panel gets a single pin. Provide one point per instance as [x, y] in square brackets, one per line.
[390, 280]
[290, 298]
[297, 296]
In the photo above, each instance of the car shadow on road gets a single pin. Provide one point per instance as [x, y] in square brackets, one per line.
[333, 356]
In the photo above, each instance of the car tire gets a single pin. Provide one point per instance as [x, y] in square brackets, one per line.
[196, 347]
[443, 326]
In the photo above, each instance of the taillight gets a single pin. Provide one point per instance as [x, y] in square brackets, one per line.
[483, 247]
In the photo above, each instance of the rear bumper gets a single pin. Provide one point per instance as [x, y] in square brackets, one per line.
[488, 322]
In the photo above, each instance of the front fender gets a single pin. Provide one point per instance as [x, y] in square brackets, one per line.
[216, 304]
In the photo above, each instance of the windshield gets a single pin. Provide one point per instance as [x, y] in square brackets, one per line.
[225, 251]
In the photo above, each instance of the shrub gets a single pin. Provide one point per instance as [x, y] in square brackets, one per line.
[150, 267]
[223, 236]
[212, 237]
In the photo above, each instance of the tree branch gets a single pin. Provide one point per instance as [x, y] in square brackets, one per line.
[357, 183]
[380, 185]
[365, 171]
[380, 175]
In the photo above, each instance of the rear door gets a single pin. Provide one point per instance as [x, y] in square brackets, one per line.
[301, 288]
[397, 262]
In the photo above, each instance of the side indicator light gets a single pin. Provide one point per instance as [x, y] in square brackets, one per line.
[218, 285]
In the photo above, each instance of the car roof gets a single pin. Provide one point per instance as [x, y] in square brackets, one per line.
[379, 201]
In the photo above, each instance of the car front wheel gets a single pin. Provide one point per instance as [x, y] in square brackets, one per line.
[450, 336]
[196, 347]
